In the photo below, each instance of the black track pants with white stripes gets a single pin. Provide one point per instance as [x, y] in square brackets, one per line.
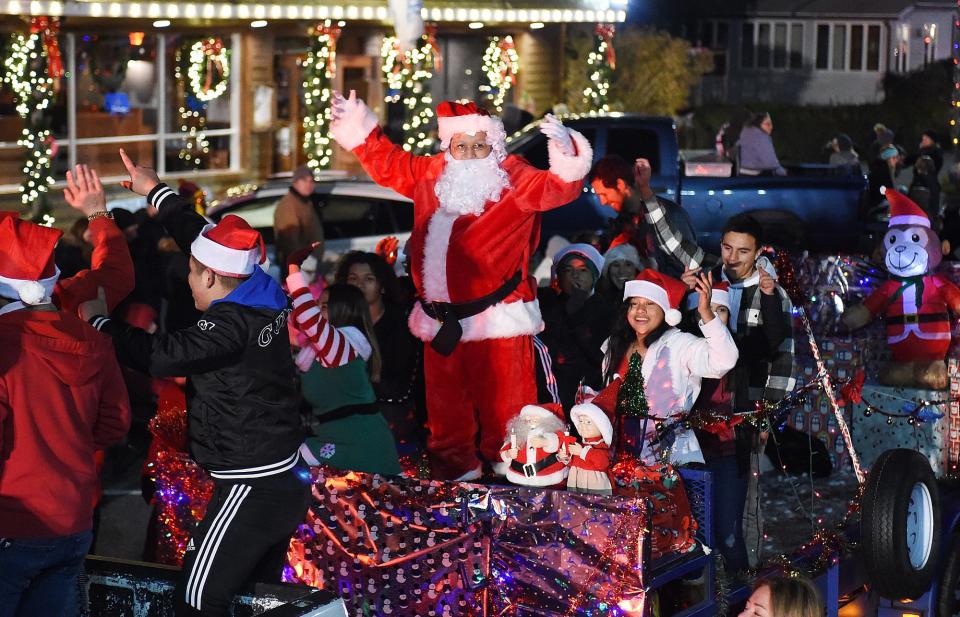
[242, 539]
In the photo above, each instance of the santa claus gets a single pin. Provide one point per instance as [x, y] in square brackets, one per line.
[537, 450]
[476, 223]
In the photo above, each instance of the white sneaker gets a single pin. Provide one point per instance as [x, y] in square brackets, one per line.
[473, 474]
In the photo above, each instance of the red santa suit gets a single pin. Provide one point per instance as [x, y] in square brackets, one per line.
[537, 466]
[590, 469]
[460, 259]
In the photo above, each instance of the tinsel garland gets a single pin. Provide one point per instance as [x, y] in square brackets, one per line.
[319, 68]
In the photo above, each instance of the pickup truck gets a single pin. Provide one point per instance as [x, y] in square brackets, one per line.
[812, 207]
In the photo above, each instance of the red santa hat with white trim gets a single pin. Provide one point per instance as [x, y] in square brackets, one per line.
[597, 416]
[903, 210]
[27, 270]
[231, 247]
[664, 291]
[720, 295]
[453, 118]
[543, 410]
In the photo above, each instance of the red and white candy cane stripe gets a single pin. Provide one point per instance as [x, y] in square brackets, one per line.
[332, 347]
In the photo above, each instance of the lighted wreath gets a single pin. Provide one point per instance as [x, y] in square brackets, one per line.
[208, 69]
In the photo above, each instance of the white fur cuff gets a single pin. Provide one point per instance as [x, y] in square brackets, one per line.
[353, 128]
[571, 168]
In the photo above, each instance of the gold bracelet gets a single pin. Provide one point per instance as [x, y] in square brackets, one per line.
[100, 214]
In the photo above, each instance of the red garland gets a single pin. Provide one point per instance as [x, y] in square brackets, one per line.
[507, 75]
[431, 34]
[787, 277]
[49, 28]
[606, 32]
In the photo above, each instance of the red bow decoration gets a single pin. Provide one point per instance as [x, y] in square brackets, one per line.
[431, 34]
[852, 391]
[48, 28]
[606, 32]
[333, 31]
[212, 49]
[388, 248]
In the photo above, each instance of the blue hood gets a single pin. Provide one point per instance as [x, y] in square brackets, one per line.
[258, 291]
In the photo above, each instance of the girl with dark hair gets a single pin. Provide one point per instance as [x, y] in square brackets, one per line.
[397, 387]
[646, 348]
[348, 430]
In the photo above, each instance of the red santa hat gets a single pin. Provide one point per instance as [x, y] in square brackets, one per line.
[664, 291]
[231, 247]
[453, 118]
[543, 410]
[903, 210]
[598, 416]
[27, 269]
[720, 295]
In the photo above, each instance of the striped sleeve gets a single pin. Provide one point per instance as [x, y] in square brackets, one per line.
[333, 349]
[670, 238]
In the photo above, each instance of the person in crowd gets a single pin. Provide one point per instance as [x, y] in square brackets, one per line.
[396, 388]
[755, 149]
[613, 181]
[477, 220]
[925, 188]
[574, 355]
[673, 362]
[347, 429]
[782, 596]
[74, 250]
[883, 172]
[929, 146]
[62, 399]
[296, 223]
[620, 264]
[882, 137]
[242, 399]
[842, 153]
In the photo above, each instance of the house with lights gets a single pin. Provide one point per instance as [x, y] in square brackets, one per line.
[815, 52]
[214, 90]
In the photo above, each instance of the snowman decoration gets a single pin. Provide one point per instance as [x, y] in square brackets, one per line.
[915, 303]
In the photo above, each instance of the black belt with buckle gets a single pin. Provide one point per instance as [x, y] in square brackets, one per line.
[914, 318]
[450, 314]
[529, 470]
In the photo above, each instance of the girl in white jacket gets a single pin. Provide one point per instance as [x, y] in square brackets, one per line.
[672, 362]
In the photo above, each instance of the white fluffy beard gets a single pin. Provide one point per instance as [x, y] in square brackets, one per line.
[545, 426]
[466, 186]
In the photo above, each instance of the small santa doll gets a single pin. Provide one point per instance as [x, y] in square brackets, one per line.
[590, 458]
[536, 445]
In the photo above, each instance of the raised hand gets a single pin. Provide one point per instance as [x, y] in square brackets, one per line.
[554, 130]
[642, 173]
[296, 258]
[92, 308]
[768, 284]
[84, 191]
[689, 277]
[142, 179]
[704, 288]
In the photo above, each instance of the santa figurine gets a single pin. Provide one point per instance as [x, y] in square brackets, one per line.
[590, 457]
[476, 221]
[536, 446]
[916, 303]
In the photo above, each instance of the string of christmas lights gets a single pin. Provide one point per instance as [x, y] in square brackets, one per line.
[319, 69]
[601, 62]
[406, 77]
[955, 51]
[501, 63]
[32, 69]
[206, 65]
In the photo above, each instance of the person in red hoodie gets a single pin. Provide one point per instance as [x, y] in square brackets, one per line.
[61, 398]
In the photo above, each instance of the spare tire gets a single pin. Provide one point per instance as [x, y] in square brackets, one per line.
[900, 524]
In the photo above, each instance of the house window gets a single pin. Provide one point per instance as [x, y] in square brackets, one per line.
[715, 36]
[776, 45]
[125, 95]
[848, 47]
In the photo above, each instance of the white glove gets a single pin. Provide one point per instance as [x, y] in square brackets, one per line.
[554, 129]
[351, 120]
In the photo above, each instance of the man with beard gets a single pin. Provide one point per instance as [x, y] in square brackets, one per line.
[476, 222]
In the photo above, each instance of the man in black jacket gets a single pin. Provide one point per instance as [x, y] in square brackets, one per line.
[242, 400]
